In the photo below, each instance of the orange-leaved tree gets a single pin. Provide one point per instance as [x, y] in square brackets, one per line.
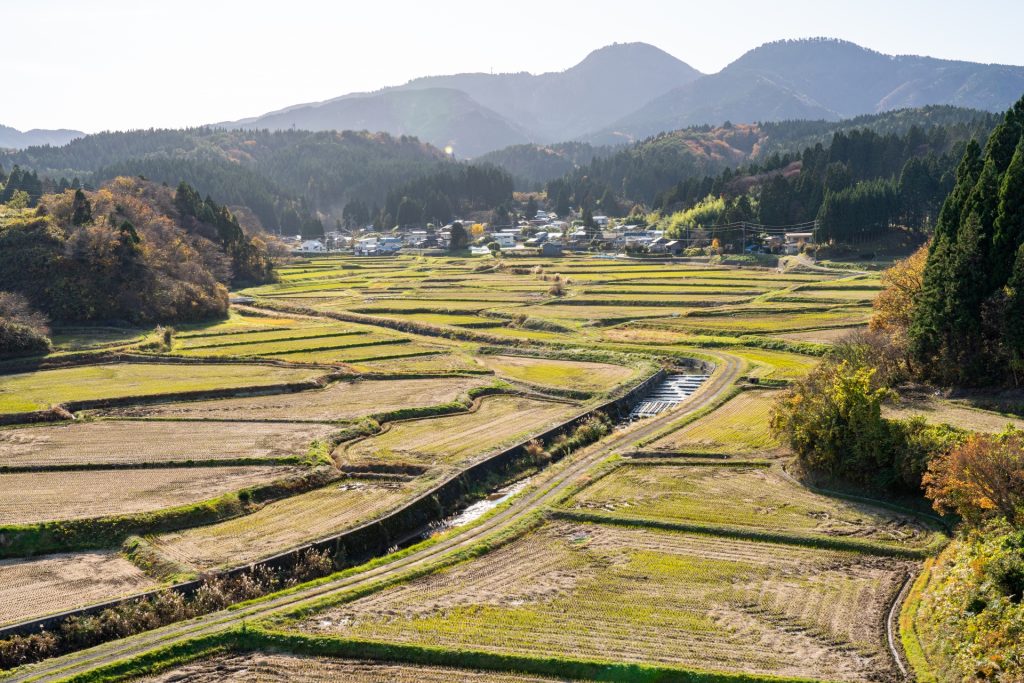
[894, 306]
[980, 479]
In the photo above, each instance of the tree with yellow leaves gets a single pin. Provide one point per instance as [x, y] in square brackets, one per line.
[894, 306]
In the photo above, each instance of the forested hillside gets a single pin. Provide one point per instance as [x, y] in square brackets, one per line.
[857, 184]
[644, 171]
[533, 165]
[131, 251]
[283, 177]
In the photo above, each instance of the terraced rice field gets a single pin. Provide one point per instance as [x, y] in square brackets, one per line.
[278, 668]
[780, 365]
[739, 427]
[344, 400]
[458, 439]
[95, 338]
[38, 587]
[132, 442]
[280, 525]
[440, 363]
[825, 336]
[740, 323]
[45, 388]
[938, 411]
[561, 374]
[638, 595]
[753, 497]
[48, 496]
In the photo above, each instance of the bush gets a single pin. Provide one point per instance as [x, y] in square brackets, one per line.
[981, 479]
[833, 421]
[20, 340]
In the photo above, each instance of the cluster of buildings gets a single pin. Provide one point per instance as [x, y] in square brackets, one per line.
[544, 234]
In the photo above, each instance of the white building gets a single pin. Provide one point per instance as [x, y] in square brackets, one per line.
[312, 246]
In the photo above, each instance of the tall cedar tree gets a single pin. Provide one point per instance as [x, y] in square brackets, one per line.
[965, 329]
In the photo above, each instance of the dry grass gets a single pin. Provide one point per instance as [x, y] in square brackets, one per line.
[113, 442]
[937, 410]
[339, 401]
[278, 668]
[457, 439]
[46, 496]
[38, 587]
[630, 594]
[280, 525]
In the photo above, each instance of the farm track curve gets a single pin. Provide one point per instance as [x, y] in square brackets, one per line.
[549, 487]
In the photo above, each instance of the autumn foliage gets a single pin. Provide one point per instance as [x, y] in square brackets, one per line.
[126, 252]
[981, 479]
[894, 307]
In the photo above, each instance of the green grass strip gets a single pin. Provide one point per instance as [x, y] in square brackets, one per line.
[822, 542]
[909, 635]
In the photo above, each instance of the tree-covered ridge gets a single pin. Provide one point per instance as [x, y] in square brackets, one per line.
[129, 251]
[533, 165]
[446, 194]
[969, 325]
[283, 177]
[676, 170]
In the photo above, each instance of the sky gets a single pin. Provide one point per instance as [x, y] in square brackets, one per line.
[123, 64]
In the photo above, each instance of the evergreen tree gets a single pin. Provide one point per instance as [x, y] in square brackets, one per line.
[459, 237]
[1009, 223]
[965, 328]
[81, 209]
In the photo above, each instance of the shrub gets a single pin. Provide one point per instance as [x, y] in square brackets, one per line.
[19, 340]
[833, 420]
[981, 479]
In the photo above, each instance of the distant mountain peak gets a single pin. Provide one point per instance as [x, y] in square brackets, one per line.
[12, 138]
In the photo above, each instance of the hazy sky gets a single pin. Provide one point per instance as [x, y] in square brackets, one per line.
[118, 64]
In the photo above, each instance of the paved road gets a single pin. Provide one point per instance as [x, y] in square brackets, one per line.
[548, 486]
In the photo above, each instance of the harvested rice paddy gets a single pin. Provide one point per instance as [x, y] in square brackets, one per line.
[280, 525]
[50, 496]
[640, 595]
[132, 442]
[343, 400]
[46, 388]
[279, 668]
[754, 497]
[461, 438]
[739, 427]
[38, 587]
[562, 374]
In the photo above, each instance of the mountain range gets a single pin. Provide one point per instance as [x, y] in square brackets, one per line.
[624, 92]
[12, 138]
